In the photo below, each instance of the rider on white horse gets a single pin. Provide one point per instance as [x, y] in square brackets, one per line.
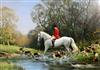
[66, 41]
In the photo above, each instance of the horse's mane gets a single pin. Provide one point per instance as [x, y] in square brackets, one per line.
[45, 33]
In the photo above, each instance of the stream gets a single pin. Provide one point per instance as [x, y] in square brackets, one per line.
[29, 64]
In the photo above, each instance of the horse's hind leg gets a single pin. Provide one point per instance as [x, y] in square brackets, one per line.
[68, 50]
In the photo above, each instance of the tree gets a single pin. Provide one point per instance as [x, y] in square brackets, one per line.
[8, 19]
[75, 18]
[21, 40]
[32, 35]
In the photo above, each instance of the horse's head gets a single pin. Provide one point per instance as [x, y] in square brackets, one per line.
[39, 38]
[43, 36]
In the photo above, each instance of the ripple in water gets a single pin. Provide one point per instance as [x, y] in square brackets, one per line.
[30, 65]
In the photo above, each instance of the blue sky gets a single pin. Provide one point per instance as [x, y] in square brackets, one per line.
[23, 9]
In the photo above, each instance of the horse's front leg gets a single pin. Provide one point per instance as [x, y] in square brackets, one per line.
[46, 48]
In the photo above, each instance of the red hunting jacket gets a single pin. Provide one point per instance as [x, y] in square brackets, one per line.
[56, 32]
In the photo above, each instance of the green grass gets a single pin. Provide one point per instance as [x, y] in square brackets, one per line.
[14, 49]
[9, 66]
[84, 59]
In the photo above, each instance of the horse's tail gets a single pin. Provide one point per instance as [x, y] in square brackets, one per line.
[74, 46]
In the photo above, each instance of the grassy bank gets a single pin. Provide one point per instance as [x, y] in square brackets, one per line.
[10, 51]
[9, 66]
[14, 49]
[82, 58]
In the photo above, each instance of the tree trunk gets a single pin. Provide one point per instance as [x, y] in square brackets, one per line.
[8, 43]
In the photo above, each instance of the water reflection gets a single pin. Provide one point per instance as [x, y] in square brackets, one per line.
[30, 65]
[70, 68]
[60, 68]
[37, 65]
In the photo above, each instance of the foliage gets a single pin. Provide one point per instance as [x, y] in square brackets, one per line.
[21, 40]
[7, 25]
[77, 19]
[32, 35]
[88, 56]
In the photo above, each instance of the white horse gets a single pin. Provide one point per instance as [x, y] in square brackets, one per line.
[66, 41]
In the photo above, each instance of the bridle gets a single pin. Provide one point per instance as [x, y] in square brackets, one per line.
[39, 39]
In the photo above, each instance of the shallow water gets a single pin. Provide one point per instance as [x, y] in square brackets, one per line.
[38, 65]
[30, 65]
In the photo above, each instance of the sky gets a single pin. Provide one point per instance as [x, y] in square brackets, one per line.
[99, 2]
[23, 9]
